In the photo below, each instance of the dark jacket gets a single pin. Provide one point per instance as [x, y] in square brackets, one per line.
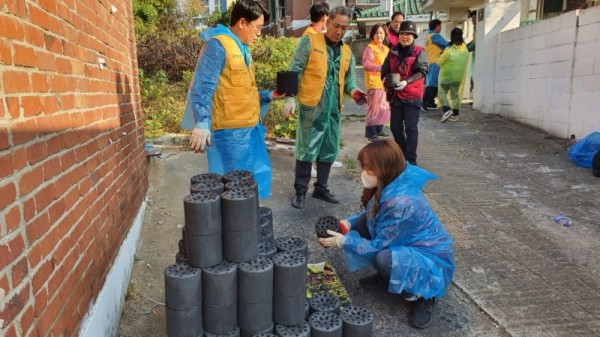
[418, 70]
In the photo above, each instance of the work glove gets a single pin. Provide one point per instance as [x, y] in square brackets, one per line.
[344, 226]
[275, 95]
[199, 139]
[359, 97]
[401, 86]
[289, 108]
[336, 240]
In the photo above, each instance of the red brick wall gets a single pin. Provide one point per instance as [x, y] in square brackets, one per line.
[72, 165]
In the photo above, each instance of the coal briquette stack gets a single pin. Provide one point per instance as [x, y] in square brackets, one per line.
[213, 186]
[233, 333]
[219, 303]
[183, 298]
[238, 210]
[289, 289]
[205, 177]
[246, 185]
[203, 239]
[267, 249]
[237, 175]
[299, 330]
[325, 223]
[255, 296]
[292, 244]
[324, 303]
[266, 213]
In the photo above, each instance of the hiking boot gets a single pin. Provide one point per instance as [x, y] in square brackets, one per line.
[298, 201]
[422, 314]
[453, 118]
[324, 194]
[372, 282]
[446, 115]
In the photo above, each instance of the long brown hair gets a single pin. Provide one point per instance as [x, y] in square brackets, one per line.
[385, 159]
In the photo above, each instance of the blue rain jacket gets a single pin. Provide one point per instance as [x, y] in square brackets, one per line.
[422, 256]
[431, 79]
[231, 149]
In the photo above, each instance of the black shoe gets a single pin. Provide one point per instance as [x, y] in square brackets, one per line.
[422, 314]
[372, 282]
[298, 201]
[324, 194]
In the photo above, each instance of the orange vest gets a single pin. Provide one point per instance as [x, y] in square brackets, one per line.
[236, 100]
[312, 81]
[373, 79]
[432, 50]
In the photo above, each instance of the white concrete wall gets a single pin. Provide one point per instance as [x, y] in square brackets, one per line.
[585, 99]
[547, 75]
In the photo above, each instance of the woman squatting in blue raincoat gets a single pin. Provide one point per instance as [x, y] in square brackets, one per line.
[398, 233]
[224, 101]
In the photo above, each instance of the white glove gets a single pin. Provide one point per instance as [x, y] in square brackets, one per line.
[289, 108]
[401, 86]
[336, 240]
[199, 139]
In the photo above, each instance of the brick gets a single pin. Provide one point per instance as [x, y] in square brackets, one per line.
[36, 152]
[37, 16]
[15, 304]
[58, 83]
[32, 105]
[34, 36]
[31, 180]
[50, 104]
[13, 218]
[17, 8]
[46, 319]
[8, 194]
[55, 145]
[39, 83]
[67, 160]
[44, 197]
[28, 209]
[42, 275]
[4, 139]
[24, 131]
[5, 52]
[56, 211]
[14, 108]
[52, 44]
[11, 28]
[11, 250]
[51, 168]
[45, 125]
[16, 82]
[67, 102]
[27, 319]
[6, 166]
[63, 65]
[19, 271]
[19, 159]
[38, 227]
[45, 61]
[24, 56]
[49, 5]
[41, 301]
[10, 331]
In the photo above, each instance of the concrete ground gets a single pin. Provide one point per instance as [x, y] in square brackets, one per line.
[518, 272]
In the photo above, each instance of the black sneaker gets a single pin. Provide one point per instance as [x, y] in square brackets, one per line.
[422, 314]
[298, 201]
[372, 282]
[324, 194]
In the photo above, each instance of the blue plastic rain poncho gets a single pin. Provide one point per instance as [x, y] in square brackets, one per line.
[583, 151]
[231, 149]
[422, 256]
[431, 79]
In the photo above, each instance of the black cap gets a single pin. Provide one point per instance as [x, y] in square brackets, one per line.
[408, 27]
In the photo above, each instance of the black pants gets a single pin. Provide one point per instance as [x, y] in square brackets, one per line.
[403, 122]
[302, 175]
[429, 96]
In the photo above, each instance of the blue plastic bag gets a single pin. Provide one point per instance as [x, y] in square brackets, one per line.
[583, 151]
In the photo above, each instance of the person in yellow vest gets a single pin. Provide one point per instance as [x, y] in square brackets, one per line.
[434, 46]
[319, 12]
[224, 103]
[378, 108]
[325, 66]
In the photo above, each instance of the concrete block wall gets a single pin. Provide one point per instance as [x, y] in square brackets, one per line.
[72, 164]
[585, 99]
[541, 81]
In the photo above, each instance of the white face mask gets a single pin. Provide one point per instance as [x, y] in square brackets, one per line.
[368, 181]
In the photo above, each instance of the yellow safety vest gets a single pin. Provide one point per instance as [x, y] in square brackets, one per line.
[236, 100]
[308, 31]
[432, 50]
[373, 79]
[313, 77]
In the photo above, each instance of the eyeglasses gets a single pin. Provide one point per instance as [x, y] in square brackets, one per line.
[257, 30]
